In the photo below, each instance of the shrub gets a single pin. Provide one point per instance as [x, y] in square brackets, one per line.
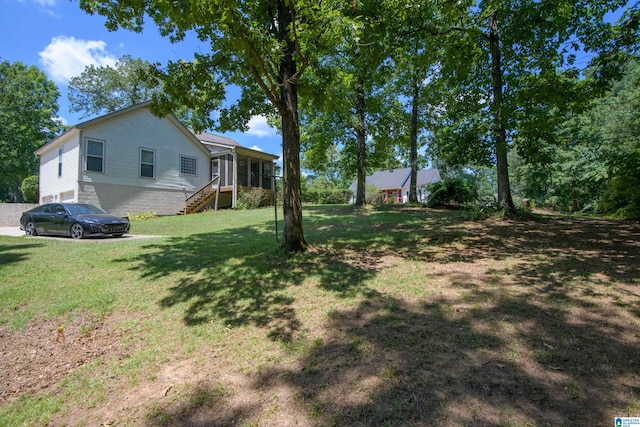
[30, 190]
[622, 198]
[140, 216]
[451, 191]
[252, 198]
[327, 197]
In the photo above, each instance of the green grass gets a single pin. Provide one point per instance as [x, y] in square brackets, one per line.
[392, 303]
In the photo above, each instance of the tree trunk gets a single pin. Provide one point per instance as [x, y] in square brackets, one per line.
[413, 137]
[361, 136]
[500, 132]
[293, 240]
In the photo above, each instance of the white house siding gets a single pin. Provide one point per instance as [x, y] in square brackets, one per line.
[125, 199]
[55, 188]
[119, 188]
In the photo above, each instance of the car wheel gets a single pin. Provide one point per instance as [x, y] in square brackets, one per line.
[77, 231]
[30, 229]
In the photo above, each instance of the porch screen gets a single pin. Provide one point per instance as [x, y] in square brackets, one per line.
[267, 171]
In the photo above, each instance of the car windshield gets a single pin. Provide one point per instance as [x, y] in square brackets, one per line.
[85, 209]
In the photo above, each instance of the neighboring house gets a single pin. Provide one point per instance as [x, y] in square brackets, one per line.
[131, 161]
[393, 185]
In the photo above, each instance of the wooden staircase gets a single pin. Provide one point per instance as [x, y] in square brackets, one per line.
[202, 197]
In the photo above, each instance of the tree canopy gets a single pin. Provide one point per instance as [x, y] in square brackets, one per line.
[508, 75]
[28, 108]
[105, 89]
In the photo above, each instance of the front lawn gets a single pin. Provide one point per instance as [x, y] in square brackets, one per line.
[395, 316]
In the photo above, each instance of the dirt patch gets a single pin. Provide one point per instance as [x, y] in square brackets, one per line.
[37, 358]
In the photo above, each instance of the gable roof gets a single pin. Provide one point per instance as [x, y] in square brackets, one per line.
[207, 142]
[114, 115]
[399, 178]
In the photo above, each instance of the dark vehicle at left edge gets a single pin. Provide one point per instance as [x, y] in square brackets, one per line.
[74, 220]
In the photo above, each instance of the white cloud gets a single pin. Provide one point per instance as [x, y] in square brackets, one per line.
[67, 57]
[259, 127]
[60, 120]
[46, 3]
[256, 148]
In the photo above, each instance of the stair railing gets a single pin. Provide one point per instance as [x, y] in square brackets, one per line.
[200, 193]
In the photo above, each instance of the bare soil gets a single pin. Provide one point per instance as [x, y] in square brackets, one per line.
[525, 323]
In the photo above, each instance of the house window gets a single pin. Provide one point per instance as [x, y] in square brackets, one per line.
[59, 162]
[266, 175]
[188, 165]
[147, 163]
[94, 160]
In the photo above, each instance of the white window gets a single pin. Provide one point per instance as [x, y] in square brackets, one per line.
[188, 165]
[147, 163]
[60, 162]
[94, 159]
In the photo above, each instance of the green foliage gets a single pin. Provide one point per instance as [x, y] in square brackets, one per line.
[327, 197]
[591, 165]
[104, 89]
[622, 198]
[30, 189]
[140, 216]
[252, 198]
[28, 106]
[451, 191]
[371, 193]
[508, 80]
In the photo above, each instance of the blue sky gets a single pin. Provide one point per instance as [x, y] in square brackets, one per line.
[61, 39]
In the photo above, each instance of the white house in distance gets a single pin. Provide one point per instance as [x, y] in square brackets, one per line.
[131, 161]
[393, 185]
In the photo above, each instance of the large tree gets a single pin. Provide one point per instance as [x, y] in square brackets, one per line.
[104, 89]
[28, 107]
[263, 47]
[507, 71]
[352, 109]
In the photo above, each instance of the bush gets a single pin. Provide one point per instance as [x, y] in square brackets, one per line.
[140, 216]
[327, 197]
[30, 190]
[451, 191]
[622, 198]
[252, 198]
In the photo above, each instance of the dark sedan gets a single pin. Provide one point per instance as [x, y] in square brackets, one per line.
[70, 219]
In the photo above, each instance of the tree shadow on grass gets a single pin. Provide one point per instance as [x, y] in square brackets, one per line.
[389, 363]
[10, 254]
[538, 321]
[237, 277]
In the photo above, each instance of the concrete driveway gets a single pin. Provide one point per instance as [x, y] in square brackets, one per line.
[16, 232]
[11, 231]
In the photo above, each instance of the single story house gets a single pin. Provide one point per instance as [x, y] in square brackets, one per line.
[131, 161]
[393, 185]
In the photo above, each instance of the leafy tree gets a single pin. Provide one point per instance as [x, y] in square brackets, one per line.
[451, 191]
[349, 108]
[28, 106]
[510, 71]
[261, 47]
[104, 89]
[594, 166]
[30, 190]
[617, 117]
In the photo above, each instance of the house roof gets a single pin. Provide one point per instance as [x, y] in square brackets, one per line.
[206, 141]
[111, 116]
[395, 179]
[216, 143]
[216, 139]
